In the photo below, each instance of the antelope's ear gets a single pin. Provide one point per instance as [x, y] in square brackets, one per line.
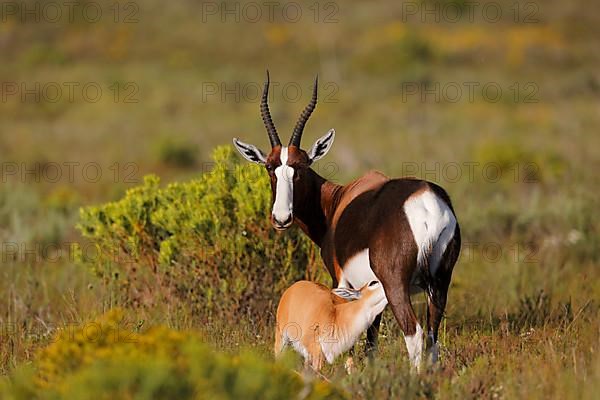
[321, 146]
[347, 293]
[250, 152]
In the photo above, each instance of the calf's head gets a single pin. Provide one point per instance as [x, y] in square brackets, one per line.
[372, 295]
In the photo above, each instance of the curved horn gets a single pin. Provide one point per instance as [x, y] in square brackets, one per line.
[299, 128]
[266, 115]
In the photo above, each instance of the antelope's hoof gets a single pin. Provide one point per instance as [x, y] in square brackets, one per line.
[349, 365]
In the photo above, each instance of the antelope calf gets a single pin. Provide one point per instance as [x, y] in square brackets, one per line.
[321, 323]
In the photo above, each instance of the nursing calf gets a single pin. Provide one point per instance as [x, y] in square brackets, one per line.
[320, 323]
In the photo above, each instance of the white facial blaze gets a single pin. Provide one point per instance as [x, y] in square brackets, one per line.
[284, 189]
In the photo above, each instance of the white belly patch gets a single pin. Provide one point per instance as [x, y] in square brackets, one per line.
[357, 271]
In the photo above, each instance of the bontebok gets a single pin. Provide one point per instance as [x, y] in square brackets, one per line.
[402, 232]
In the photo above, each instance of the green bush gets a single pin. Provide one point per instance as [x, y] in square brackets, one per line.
[102, 359]
[177, 153]
[510, 162]
[26, 219]
[207, 243]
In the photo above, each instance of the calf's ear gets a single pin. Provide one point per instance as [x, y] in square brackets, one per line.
[347, 293]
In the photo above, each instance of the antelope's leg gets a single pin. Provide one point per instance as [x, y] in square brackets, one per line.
[349, 363]
[413, 333]
[372, 336]
[438, 294]
[278, 347]
[394, 264]
[312, 348]
[371, 346]
[316, 358]
[435, 312]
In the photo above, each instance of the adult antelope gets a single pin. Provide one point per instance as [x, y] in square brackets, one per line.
[402, 232]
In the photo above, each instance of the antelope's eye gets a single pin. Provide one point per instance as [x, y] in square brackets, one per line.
[269, 167]
[373, 283]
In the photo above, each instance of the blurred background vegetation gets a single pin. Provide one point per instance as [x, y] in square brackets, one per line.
[177, 79]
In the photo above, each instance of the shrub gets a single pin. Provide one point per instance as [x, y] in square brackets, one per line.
[103, 360]
[206, 243]
[511, 163]
[177, 153]
[536, 311]
[25, 218]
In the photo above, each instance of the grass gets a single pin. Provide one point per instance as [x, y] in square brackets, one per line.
[522, 318]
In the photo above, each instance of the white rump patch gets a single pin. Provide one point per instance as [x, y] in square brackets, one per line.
[284, 192]
[432, 223]
[357, 271]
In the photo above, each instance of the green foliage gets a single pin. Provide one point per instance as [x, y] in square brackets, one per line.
[508, 160]
[102, 359]
[178, 153]
[207, 242]
[26, 218]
